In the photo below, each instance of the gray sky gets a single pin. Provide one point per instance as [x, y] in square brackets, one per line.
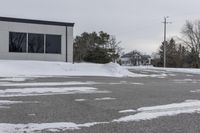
[137, 23]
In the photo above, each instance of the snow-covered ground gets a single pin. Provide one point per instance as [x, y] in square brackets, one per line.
[15, 79]
[48, 91]
[44, 127]
[16, 68]
[47, 84]
[5, 103]
[143, 113]
[148, 113]
[159, 69]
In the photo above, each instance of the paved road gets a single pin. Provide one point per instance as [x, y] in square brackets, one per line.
[160, 88]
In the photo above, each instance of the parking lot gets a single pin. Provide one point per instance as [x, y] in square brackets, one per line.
[101, 104]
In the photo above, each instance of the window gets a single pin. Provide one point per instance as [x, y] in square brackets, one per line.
[53, 44]
[35, 43]
[17, 42]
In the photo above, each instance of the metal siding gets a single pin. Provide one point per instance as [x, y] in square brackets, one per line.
[6, 27]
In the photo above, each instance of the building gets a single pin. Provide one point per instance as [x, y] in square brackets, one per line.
[135, 58]
[26, 39]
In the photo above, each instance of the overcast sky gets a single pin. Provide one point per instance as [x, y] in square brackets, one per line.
[137, 23]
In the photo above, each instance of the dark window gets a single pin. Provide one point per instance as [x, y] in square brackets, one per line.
[35, 43]
[17, 42]
[53, 44]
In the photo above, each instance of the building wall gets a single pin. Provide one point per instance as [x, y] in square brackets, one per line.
[6, 27]
[70, 47]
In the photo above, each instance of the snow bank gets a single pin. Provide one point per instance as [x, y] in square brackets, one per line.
[11, 68]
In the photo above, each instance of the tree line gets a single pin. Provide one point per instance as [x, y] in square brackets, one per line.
[102, 47]
[182, 51]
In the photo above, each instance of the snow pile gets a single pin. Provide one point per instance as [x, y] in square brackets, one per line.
[116, 70]
[11, 68]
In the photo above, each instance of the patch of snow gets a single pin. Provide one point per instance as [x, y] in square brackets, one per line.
[7, 102]
[148, 113]
[17, 68]
[4, 103]
[191, 100]
[137, 83]
[44, 127]
[15, 79]
[47, 84]
[48, 91]
[127, 111]
[134, 83]
[80, 100]
[177, 70]
[104, 98]
[186, 80]
[4, 107]
[163, 75]
[195, 91]
[54, 130]
[31, 114]
[173, 75]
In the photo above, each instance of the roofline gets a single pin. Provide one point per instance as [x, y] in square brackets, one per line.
[32, 21]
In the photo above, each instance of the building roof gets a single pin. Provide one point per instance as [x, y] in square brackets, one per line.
[32, 21]
[131, 54]
[135, 53]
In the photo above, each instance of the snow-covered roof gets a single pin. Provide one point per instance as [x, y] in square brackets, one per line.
[134, 53]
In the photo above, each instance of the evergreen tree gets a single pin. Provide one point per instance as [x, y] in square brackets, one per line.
[97, 48]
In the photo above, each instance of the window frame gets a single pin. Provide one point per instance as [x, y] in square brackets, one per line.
[27, 42]
[9, 35]
[43, 52]
[60, 53]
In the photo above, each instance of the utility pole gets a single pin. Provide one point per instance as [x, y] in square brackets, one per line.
[165, 42]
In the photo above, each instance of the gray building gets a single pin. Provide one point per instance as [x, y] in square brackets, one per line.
[27, 39]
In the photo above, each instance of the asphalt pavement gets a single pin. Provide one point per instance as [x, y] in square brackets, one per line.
[159, 88]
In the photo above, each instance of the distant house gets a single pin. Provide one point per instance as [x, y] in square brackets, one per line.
[27, 39]
[135, 58]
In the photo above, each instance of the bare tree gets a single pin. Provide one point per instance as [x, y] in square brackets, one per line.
[114, 48]
[191, 38]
